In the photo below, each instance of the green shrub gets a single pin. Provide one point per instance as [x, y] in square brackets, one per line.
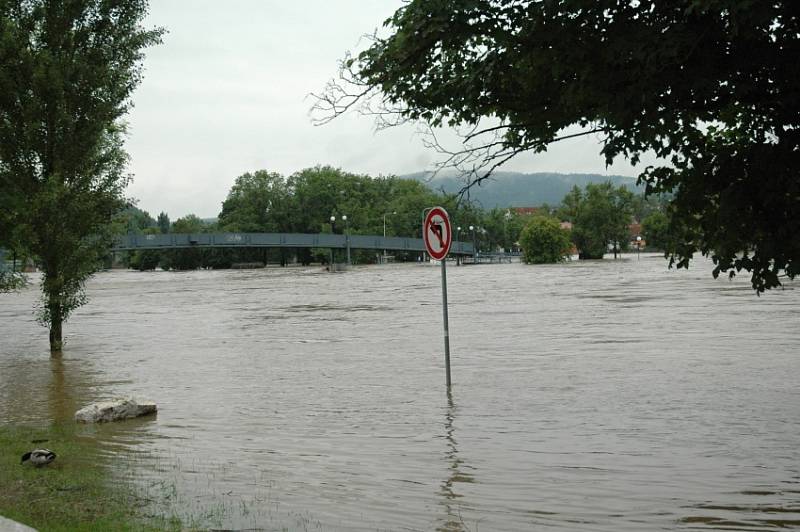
[543, 241]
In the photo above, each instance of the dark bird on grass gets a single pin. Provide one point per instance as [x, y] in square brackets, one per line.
[39, 457]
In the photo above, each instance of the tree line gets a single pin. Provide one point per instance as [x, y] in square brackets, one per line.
[304, 202]
[266, 202]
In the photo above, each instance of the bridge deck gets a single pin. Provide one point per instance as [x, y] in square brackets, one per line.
[277, 240]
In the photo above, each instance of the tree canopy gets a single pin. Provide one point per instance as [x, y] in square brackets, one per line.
[543, 241]
[655, 230]
[600, 215]
[710, 86]
[257, 202]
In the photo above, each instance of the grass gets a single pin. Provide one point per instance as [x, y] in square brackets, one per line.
[76, 492]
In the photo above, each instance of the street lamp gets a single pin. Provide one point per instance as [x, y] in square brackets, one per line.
[506, 237]
[346, 238]
[333, 231]
[458, 256]
[384, 229]
[638, 248]
[474, 245]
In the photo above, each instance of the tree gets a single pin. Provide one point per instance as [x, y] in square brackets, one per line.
[709, 86]
[543, 241]
[9, 280]
[407, 199]
[317, 194]
[184, 259]
[68, 71]
[499, 228]
[132, 220]
[163, 223]
[570, 204]
[12, 240]
[258, 202]
[655, 230]
[643, 206]
[601, 215]
[146, 259]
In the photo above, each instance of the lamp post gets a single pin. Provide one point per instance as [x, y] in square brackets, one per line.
[506, 237]
[333, 231]
[458, 256]
[346, 238]
[384, 231]
[474, 245]
[638, 248]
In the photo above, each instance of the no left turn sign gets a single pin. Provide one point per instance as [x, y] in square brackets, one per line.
[438, 236]
[437, 233]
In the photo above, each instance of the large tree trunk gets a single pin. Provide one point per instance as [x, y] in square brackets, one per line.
[56, 342]
[55, 310]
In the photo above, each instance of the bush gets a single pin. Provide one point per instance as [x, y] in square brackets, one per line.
[10, 281]
[543, 241]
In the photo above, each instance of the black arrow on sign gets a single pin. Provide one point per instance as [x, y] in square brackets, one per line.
[439, 232]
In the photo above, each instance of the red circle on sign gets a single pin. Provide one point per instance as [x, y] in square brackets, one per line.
[436, 233]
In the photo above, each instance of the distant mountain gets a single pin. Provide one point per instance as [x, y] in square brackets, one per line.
[514, 189]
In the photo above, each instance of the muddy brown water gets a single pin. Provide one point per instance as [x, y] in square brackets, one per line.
[614, 395]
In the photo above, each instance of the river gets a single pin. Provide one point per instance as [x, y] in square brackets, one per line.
[612, 395]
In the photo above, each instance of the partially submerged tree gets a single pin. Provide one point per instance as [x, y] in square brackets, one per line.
[186, 258]
[600, 217]
[710, 86]
[67, 72]
[655, 230]
[543, 241]
[9, 280]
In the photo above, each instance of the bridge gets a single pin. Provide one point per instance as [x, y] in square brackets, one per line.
[278, 240]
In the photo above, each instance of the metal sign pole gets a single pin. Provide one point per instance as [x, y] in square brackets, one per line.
[446, 324]
[438, 237]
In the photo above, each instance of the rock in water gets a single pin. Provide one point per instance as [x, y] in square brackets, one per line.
[114, 410]
[7, 525]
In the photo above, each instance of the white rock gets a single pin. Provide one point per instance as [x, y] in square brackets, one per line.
[7, 525]
[114, 410]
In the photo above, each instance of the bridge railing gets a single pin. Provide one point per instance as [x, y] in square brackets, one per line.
[277, 240]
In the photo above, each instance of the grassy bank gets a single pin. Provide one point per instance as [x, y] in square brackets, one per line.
[76, 492]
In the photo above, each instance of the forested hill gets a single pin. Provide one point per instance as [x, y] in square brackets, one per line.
[514, 189]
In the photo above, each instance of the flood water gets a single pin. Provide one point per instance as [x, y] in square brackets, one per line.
[614, 395]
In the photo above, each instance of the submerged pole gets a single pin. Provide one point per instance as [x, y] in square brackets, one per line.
[446, 324]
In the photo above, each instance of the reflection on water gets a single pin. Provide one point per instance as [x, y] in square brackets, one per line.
[448, 491]
[41, 388]
[605, 396]
[59, 396]
[748, 515]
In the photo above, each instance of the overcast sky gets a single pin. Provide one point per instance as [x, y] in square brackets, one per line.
[227, 92]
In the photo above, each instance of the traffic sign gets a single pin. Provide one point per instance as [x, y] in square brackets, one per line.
[437, 233]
